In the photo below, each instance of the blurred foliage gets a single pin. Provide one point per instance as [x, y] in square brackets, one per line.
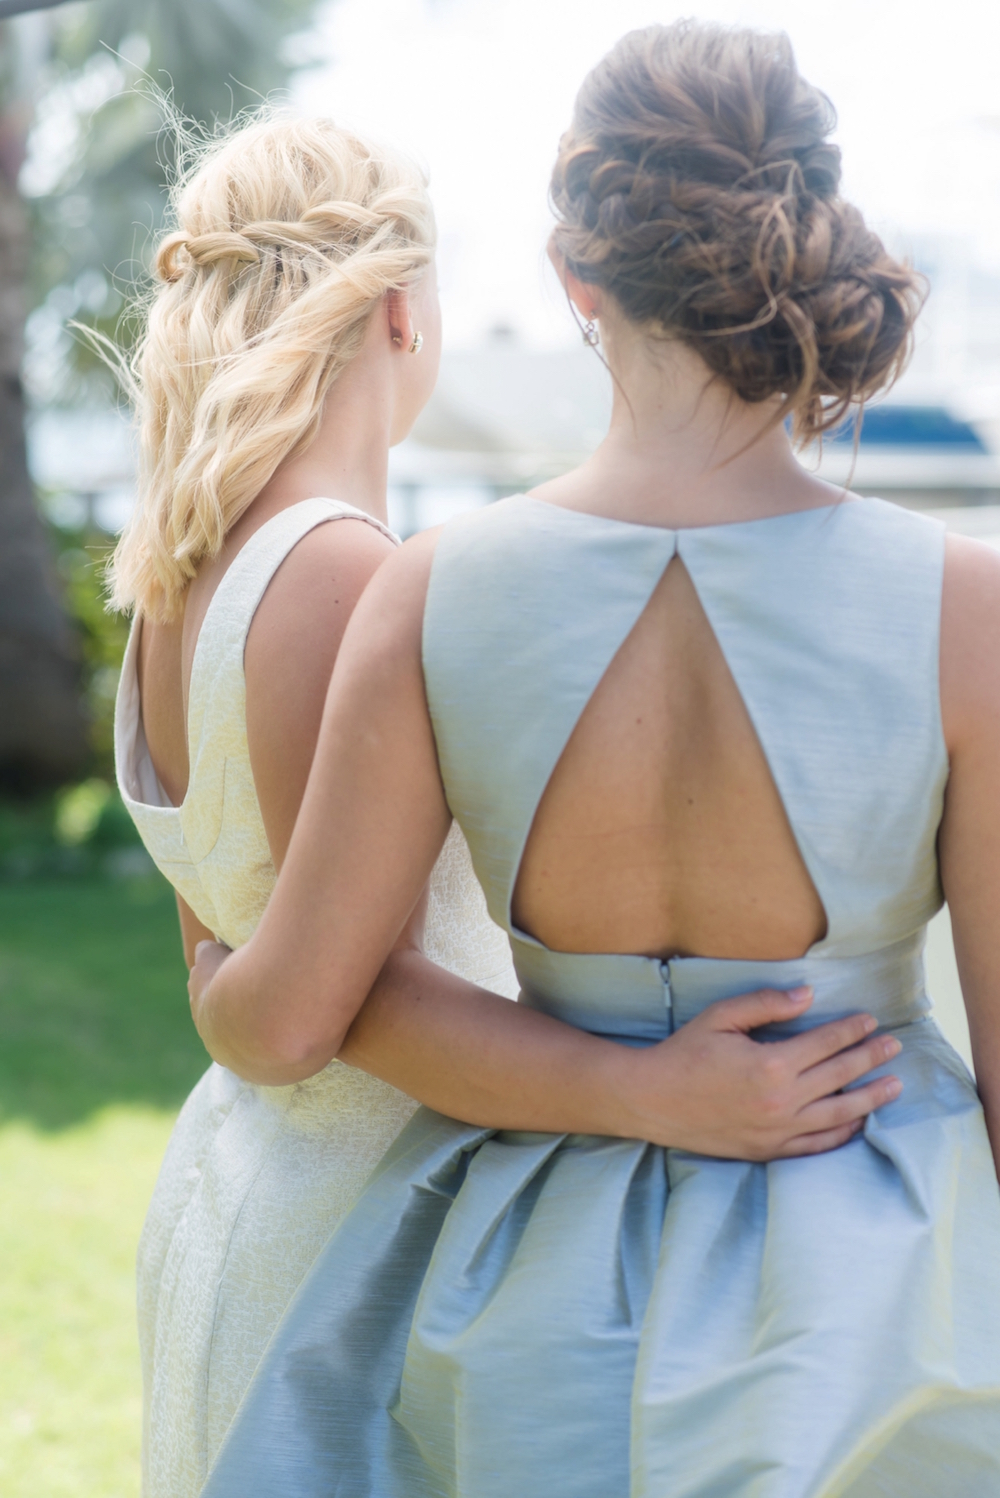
[79, 832]
[108, 79]
[81, 829]
[100, 156]
[81, 557]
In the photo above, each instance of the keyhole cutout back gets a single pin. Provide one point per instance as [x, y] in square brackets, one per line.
[661, 830]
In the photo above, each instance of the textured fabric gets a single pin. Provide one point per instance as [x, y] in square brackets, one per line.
[254, 1178]
[571, 1317]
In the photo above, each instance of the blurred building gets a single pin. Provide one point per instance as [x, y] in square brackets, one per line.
[919, 455]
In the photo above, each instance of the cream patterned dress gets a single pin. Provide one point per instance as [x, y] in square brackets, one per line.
[254, 1178]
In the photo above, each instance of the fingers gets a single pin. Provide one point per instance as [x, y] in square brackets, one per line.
[206, 950]
[848, 1107]
[208, 958]
[843, 1069]
[767, 1006]
[835, 1120]
[819, 1144]
[826, 1040]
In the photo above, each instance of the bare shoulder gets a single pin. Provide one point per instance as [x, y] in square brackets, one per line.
[322, 577]
[579, 489]
[378, 683]
[393, 608]
[291, 650]
[312, 595]
[970, 639]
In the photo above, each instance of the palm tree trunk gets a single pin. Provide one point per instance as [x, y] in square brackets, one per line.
[43, 733]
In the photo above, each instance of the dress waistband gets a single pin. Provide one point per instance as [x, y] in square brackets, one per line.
[642, 999]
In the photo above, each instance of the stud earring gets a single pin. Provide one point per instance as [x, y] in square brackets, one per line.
[591, 336]
[417, 344]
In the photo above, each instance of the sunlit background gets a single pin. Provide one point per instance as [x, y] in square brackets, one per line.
[96, 1049]
[480, 92]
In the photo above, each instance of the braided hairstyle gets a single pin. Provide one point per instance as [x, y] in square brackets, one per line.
[289, 234]
[697, 185]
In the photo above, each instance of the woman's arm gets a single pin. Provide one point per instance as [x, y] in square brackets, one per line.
[709, 1088]
[969, 841]
[374, 819]
[372, 823]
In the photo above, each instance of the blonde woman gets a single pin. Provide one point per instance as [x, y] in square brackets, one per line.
[708, 723]
[294, 336]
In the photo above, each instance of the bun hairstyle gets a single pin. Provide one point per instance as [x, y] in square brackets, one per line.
[697, 185]
[289, 233]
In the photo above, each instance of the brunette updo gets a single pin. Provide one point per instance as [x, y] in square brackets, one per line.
[698, 186]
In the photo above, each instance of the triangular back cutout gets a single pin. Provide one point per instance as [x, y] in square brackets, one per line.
[662, 829]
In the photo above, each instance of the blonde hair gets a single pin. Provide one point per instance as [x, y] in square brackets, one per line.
[289, 233]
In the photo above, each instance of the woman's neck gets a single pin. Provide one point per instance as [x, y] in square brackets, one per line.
[348, 459]
[682, 449]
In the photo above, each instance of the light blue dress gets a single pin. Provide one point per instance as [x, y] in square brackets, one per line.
[513, 1315]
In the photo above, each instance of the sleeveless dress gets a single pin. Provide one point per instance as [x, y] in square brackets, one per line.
[512, 1315]
[254, 1178]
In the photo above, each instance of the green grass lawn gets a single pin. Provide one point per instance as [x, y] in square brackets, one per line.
[97, 1052]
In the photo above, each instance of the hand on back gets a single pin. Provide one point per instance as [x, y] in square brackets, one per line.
[711, 1089]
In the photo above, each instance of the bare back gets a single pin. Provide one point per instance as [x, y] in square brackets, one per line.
[661, 830]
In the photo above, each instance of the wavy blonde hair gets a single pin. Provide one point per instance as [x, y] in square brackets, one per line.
[289, 233]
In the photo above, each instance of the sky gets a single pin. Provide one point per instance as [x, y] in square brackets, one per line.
[480, 91]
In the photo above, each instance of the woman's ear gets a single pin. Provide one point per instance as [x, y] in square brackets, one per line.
[399, 317]
[587, 299]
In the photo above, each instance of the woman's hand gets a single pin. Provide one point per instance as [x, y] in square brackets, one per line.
[711, 1089]
[208, 958]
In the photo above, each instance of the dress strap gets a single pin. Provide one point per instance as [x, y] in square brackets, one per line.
[224, 630]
